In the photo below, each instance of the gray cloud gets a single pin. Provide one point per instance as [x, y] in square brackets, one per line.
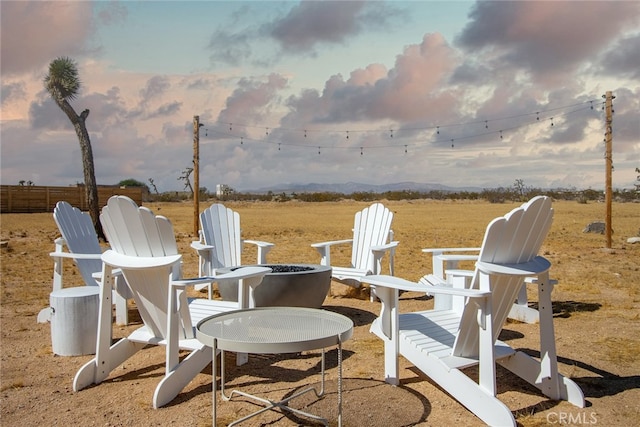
[156, 86]
[623, 59]
[229, 47]
[165, 110]
[313, 22]
[12, 91]
[546, 38]
[303, 28]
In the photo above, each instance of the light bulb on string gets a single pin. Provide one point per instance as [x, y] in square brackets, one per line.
[231, 126]
[551, 121]
[486, 124]
[347, 134]
[391, 133]
[241, 140]
[405, 149]
[361, 151]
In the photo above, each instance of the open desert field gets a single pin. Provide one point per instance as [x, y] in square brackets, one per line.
[596, 317]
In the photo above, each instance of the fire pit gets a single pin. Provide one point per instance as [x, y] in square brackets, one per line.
[288, 285]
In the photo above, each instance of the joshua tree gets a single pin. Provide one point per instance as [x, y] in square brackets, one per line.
[63, 84]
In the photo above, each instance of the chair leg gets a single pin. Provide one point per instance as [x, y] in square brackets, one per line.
[90, 374]
[551, 384]
[175, 381]
[469, 393]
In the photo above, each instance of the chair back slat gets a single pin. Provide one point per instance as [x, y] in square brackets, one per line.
[221, 229]
[80, 237]
[371, 227]
[136, 231]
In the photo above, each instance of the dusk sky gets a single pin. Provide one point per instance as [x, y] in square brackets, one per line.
[455, 93]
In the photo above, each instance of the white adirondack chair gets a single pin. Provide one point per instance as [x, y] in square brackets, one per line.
[81, 240]
[372, 239]
[443, 342]
[144, 250]
[220, 243]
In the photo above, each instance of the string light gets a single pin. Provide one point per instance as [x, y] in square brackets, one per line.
[585, 105]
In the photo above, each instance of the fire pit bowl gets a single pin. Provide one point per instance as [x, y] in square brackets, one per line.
[288, 285]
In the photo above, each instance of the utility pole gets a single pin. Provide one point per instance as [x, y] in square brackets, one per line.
[608, 140]
[196, 173]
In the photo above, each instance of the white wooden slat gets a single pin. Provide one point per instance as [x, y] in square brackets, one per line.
[80, 237]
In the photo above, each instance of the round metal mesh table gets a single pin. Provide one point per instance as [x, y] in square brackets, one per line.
[270, 330]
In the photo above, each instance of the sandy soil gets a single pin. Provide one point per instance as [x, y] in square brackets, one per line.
[596, 320]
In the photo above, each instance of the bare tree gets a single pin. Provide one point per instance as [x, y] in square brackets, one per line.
[185, 177]
[63, 84]
[153, 184]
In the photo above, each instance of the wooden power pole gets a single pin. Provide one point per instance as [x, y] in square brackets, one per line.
[608, 140]
[196, 174]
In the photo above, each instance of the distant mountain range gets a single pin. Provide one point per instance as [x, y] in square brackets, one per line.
[357, 187]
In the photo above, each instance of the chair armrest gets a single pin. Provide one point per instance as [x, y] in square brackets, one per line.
[243, 273]
[405, 285]
[439, 251]
[386, 247]
[260, 243]
[74, 255]
[532, 268]
[448, 258]
[199, 246]
[183, 283]
[331, 243]
[235, 274]
[263, 249]
[324, 249]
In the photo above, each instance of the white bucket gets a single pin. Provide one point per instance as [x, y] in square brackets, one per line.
[74, 320]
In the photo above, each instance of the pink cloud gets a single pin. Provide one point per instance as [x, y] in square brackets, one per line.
[41, 31]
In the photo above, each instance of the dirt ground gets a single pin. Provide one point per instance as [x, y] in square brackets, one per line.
[596, 317]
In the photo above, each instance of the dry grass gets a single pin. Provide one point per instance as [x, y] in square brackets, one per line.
[596, 301]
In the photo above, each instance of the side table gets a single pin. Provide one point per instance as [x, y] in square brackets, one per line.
[272, 330]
